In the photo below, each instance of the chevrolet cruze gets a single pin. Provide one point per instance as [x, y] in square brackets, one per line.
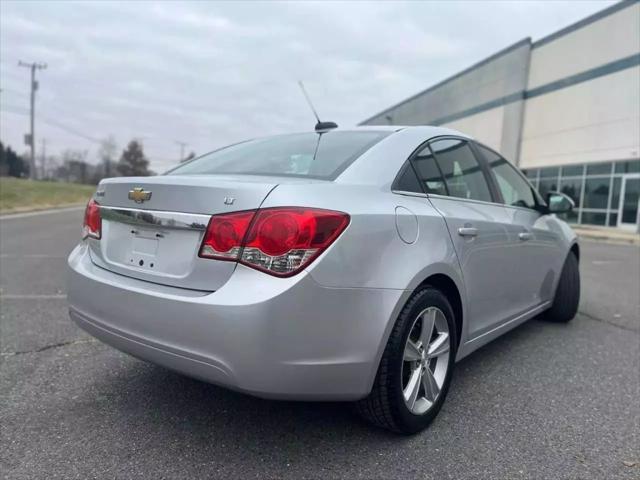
[339, 264]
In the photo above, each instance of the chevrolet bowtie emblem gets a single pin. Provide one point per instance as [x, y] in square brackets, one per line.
[139, 195]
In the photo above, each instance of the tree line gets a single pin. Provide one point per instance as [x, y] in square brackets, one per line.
[72, 165]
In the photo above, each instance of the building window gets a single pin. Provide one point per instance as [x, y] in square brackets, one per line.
[573, 171]
[551, 172]
[573, 188]
[594, 218]
[631, 166]
[595, 188]
[599, 168]
[596, 192]
[547, 185]
[615, 194]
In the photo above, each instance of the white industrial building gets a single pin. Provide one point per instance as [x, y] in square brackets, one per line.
[565, 109]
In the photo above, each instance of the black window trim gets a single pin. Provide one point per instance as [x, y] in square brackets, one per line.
[427, 144]
[496, 195]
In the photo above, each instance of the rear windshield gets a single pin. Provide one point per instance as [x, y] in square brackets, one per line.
[312, 155]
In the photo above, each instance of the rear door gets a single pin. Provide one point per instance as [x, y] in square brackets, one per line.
[457, 186]
[538, 246]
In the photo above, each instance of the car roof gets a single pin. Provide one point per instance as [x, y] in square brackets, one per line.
[380, 164]
[428, 131]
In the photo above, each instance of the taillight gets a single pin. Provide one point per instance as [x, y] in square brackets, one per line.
[225, 234]
[92, 225]
[280, 241]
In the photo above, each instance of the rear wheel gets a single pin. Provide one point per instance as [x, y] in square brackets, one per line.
[565, 303]
[415, 370]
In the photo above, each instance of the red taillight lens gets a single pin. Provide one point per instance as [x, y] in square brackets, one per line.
[225, 235]
[92, 225]
[280, 241]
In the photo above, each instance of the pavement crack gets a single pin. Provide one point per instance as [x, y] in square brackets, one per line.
[49, 347]
[608, 322]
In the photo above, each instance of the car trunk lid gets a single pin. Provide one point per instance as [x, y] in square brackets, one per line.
[152, 227]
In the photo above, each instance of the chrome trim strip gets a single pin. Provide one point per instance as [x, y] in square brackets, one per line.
[460, 199]
[409, 194]
[157, 219]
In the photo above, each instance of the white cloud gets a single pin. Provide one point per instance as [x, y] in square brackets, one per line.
[210, 73]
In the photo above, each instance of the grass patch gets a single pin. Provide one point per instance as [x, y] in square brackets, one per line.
[20, 195]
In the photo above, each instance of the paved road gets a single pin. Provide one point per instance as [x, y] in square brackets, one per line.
[544, 401]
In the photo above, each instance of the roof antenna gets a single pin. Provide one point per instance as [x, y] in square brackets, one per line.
[320, 126]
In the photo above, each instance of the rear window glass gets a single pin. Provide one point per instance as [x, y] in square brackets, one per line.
[311, 155]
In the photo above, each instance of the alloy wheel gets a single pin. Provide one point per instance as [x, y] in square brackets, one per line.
[425, 360]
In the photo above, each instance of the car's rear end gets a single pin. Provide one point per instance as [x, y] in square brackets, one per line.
[204, 270]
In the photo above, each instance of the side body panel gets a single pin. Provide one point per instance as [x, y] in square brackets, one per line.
[485, 257]
[371, 253]
[540, 250]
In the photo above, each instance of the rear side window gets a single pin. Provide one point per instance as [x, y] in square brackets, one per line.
[312, 155]
[429, 173]
[515, 190]
[461, 171]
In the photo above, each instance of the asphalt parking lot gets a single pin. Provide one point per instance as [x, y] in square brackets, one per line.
[544, 401]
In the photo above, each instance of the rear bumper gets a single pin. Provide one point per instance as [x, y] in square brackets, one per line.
[270, 337]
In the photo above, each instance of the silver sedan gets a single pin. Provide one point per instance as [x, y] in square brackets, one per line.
[340, 264]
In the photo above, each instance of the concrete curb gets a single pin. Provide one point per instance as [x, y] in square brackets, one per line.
[622, 238]
[32, 213]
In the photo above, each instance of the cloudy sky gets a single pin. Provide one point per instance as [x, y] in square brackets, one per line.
[213, 73]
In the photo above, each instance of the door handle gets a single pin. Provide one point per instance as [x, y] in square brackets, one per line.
[524, 236]
[467, 231]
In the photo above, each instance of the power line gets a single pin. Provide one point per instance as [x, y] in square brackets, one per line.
[71, 130]
[14, 109]
[23, 111]
[15, 92]
[32, 136]
[53, 123]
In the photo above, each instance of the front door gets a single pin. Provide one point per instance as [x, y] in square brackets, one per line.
[629, 202]
[538, 251]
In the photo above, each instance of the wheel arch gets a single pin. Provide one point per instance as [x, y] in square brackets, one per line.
[575, 248]
[446, 285]
[441, 275]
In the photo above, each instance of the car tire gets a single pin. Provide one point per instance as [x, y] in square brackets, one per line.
[567, 298]
[387, 406]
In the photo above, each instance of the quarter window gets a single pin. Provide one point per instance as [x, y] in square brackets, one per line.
[461, 171]
[407, 180]
[514, 189]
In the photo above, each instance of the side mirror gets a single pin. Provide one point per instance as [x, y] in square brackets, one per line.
[559, 202]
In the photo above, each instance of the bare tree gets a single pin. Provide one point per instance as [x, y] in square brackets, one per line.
[107, 155]
[191, 156]
[74, 165]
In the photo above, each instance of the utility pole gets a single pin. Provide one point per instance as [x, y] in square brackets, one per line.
[32, 136]
[43, 159]
[182, 146]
